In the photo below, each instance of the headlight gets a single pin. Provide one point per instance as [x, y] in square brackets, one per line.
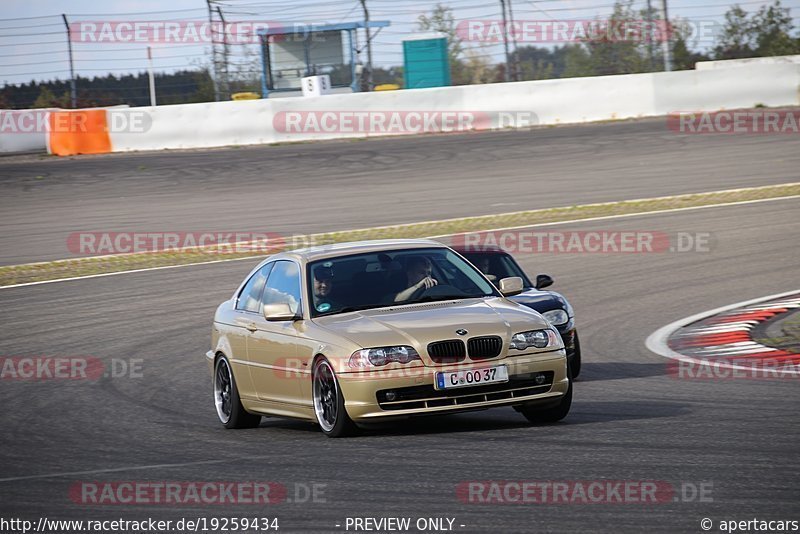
[556, 316]
[377, 357]
[534, 338]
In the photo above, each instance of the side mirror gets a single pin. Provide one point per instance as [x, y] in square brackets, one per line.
[543, 281]
[279, 312]
[510, 286]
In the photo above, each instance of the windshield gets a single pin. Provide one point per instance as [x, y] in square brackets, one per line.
[496, 266]
[362, 281]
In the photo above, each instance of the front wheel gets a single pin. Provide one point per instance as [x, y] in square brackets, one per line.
[549, 415]
[329, 402]
[230, 411]
[575, 363]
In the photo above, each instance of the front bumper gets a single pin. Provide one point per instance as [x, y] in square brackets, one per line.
[366, 396]
[210, 356]
[568, 333]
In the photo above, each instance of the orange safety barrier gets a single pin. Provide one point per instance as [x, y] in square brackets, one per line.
[79, 132]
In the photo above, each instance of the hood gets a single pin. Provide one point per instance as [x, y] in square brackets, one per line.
[416, 325]
[541, 301]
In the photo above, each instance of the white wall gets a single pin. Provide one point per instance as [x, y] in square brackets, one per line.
[746, 62]
[210, 124]
[14, 136]
[12, 140]
[712, 90]
[572, 100]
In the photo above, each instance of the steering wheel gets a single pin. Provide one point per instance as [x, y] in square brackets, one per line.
[442, 290]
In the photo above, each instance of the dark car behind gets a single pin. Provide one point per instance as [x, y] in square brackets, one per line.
[497, 264]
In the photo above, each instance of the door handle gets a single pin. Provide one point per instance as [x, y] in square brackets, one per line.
[251, 326]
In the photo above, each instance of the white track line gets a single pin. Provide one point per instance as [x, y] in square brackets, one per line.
[146, 269]
[114, 470]
[657, 341]
[590, 219]
[621, 216]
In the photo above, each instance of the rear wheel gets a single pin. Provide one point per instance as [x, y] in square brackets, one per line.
[329, 402]
[551, 414]
[230, 411]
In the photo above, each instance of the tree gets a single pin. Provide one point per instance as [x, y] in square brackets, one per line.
[477, 67]
[736, 38]
[578, 62]
[772, 27]
[539, 63]
[615, 46]
[683, 58]
[204, 87]
[767, 33]
[46, 99]
[441, 20]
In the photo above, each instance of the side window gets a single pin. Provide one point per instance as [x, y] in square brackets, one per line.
[250, 297]
[283, 286]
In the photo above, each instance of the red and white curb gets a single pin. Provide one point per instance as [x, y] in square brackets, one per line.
[722, 337]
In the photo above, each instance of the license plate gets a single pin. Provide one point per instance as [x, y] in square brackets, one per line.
[471, 377]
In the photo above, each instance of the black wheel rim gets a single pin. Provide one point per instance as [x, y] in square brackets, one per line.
[222, 390]
[326, 396]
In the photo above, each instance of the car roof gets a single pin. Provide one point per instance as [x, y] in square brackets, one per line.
[478, 249]
[320, 252]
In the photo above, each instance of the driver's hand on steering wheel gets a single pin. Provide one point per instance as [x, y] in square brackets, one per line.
[427, 283]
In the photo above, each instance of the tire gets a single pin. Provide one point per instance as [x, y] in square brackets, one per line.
[328, 401]
[575, 363]
[549, 415]
[230, 411]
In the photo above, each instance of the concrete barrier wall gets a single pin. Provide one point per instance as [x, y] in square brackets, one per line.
[573, 100]
[40, 130]
[22, 130]
[712, 90]
[211, 124]
[746, 62]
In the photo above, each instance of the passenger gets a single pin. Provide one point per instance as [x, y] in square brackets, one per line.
[418, 278]
[483, 266]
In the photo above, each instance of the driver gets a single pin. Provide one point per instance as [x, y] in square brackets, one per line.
[323, 285]
[418, 278]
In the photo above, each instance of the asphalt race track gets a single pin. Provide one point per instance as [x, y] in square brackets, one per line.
[355, 184]
[630, 420]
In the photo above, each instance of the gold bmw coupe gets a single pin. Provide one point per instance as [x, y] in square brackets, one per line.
[358, 332]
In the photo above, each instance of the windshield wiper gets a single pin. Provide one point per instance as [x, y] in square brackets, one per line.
[444, 297]
[348, 309]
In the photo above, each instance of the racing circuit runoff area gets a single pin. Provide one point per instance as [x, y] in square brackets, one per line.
[118, 429]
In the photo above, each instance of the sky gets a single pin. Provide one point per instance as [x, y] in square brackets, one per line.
[33, 42]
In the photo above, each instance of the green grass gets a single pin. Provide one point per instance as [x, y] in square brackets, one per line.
[75, 267]
[790, 340]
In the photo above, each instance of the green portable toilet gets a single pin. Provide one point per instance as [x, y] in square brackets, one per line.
[425, 61]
